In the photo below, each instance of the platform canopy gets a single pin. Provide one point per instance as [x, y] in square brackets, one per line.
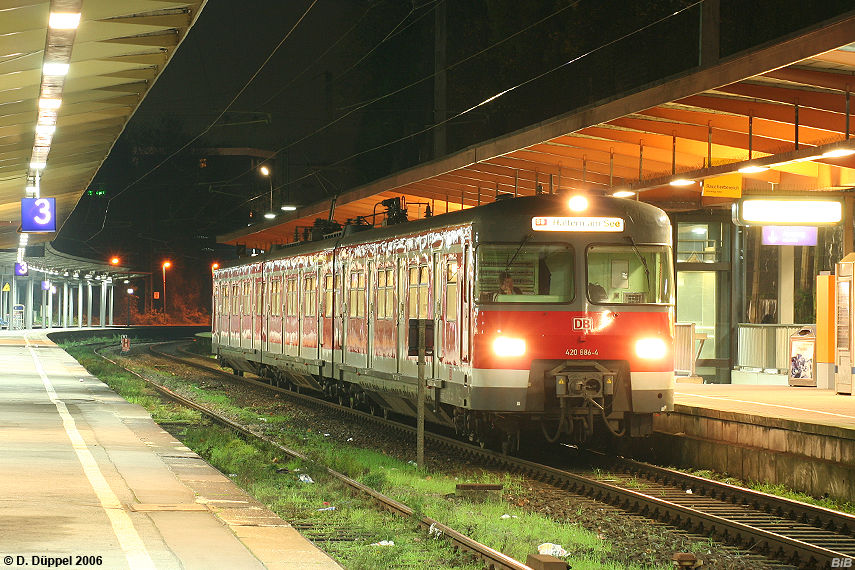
[114, 56]
[779, 114]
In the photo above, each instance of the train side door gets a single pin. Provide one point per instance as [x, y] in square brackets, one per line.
[258, 312]
[436, 304]
[465, 291]
[401, 299]
[369, 313]
[450, 313]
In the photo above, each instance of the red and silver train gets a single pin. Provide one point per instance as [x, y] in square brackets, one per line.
[553, 314]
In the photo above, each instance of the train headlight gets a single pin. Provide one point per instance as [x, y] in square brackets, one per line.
[651, 348]
[508, 346]
[578, 203]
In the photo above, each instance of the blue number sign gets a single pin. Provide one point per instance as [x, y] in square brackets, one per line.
[38, 215]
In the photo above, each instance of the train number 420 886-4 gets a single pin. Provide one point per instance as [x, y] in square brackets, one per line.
[581, 352]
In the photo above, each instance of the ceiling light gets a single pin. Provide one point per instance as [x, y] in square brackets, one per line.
[623, 194]
[838, 152]
[287, 208]
[753, 169]
[38, 165]
[64, 20]
[269, 215]
[49, 103]
[45, 129]
[55, 68]
[681, 182]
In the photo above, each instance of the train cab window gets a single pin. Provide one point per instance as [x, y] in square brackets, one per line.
[630, 275]
[311, 296]
[356, 303]
[386, 293]
[532, 273]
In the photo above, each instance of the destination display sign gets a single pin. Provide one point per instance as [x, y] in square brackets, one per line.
[576, 224]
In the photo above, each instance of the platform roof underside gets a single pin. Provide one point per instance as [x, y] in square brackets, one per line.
[120, 48]
[695, 126]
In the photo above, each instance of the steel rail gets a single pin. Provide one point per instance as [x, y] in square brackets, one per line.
[493, 559]
[777, 545]
[821, 517]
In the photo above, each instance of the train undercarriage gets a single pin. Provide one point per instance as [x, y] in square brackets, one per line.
[581, 410]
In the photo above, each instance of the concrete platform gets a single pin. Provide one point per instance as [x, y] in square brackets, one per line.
[83, 473]
[801, 437]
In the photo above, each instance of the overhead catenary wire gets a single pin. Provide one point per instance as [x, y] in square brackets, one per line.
[460, 113]
[211, 125]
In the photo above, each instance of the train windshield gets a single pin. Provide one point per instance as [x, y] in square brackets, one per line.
[630, 274]
[524, 273]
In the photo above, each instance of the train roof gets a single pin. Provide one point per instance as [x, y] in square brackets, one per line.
[495, 222]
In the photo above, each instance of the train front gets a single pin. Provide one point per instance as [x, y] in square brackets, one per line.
[574, 318]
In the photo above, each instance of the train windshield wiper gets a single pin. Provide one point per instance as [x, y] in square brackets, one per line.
[643, 263]
[527, 237]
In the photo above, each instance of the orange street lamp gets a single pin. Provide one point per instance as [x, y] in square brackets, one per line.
[114, 260]
[214, 266]
[165, 265]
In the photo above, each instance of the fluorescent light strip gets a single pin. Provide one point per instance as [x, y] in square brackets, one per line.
[63, 21]
[55, 69]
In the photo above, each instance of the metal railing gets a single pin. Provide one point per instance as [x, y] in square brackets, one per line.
[764, 347]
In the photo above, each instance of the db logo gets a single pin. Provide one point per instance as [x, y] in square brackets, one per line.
[540, 221]
[583, 323]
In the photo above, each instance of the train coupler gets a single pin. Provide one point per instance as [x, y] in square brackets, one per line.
[582, 379]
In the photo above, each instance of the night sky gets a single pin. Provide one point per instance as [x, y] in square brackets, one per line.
[347, 97]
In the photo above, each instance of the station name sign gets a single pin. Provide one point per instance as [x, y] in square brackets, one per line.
[38, 215]
[576, 224]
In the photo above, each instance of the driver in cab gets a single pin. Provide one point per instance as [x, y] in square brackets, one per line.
[506, 285]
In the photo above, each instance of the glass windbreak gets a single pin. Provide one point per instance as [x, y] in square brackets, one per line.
[515, 273]
[629, 275]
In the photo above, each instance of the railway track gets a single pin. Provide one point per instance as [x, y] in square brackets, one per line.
[796, 533]
[492, 559]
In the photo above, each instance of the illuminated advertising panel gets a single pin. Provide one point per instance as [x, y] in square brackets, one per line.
[787, 211]
[576, 224]
[38, 215]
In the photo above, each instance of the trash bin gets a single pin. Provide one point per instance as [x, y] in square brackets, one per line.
[802, 357]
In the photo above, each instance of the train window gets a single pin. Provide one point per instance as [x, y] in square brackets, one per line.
[386, 294]
[311, 296]
[418, 292]
[291, 300]
[276, 297]
[357, 294]
[246, 305]
[533, 273]
[328, 295]
[259, 298]
[451, 291]
[627, 274]
[235, 299]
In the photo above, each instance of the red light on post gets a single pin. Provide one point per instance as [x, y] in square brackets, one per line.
[115, 260]
[214, 266]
